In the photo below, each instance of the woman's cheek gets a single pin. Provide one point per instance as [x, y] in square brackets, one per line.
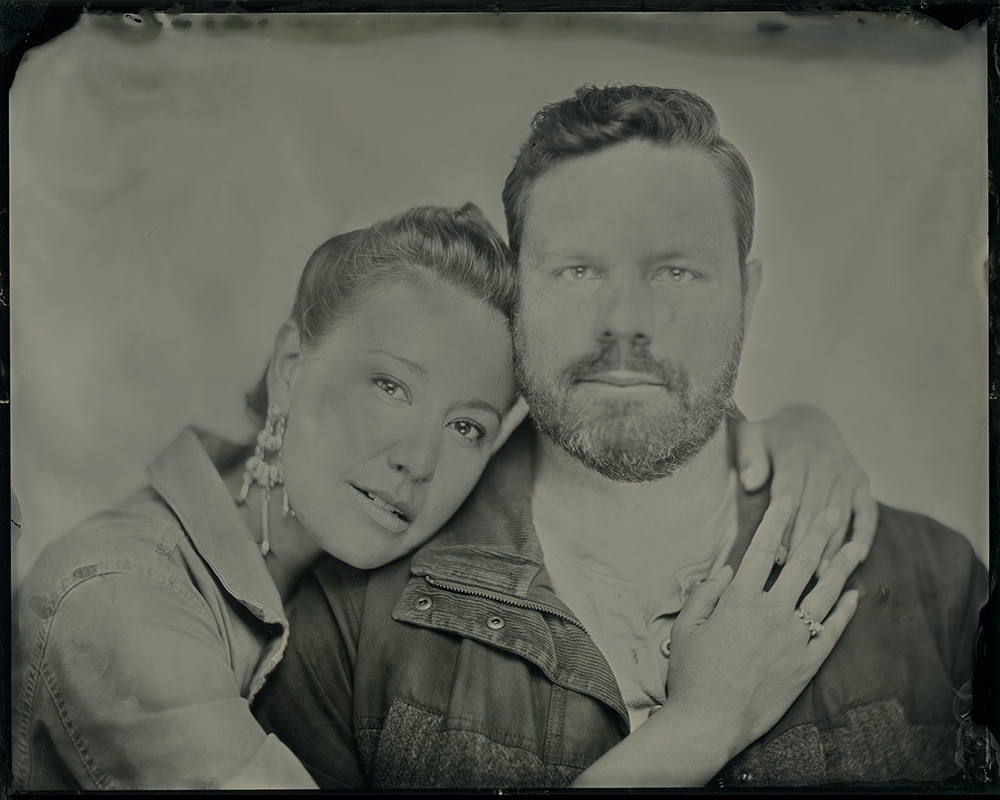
[463, 476]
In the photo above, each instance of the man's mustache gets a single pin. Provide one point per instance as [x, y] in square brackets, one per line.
[610, 358]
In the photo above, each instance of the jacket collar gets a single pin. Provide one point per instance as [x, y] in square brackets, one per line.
[490, 544]
[491, 541]
[187, 477]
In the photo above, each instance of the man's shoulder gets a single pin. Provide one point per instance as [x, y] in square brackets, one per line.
[882, 707]
[910, 543]
[921, 589]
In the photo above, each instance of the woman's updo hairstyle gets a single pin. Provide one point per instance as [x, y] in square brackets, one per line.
[457, 246]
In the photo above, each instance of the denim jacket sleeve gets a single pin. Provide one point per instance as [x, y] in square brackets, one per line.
[125, 681]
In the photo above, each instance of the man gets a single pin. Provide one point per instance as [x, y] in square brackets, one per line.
[534, 632]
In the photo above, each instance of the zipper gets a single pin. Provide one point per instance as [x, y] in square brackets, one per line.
[510, 601]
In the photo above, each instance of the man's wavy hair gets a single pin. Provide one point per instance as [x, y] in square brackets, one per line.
[595, 119]
[456, 246]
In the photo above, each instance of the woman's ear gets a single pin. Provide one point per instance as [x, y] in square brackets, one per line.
[285, 359]
[514, 417]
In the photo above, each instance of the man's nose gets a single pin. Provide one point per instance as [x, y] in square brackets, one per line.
[627, 312]
[416, 454]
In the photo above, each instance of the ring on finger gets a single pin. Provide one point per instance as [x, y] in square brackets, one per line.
[807, 620]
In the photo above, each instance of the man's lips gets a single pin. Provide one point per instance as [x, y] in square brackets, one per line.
[623, 378]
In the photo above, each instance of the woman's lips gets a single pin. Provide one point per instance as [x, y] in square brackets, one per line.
[386, 514]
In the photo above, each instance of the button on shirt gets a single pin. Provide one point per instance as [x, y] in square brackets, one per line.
[632, 634]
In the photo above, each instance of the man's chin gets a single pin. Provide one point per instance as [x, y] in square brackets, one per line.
[630, 446]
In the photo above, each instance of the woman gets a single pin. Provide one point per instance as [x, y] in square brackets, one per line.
[147, 632]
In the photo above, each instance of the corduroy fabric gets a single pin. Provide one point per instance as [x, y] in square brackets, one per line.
[459, 667]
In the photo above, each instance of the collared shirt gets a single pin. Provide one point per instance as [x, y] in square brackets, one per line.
[635, 640]
[145, 635]
[460, 667]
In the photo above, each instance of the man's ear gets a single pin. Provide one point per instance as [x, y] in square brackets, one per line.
[285, 360]
[755, 275]
[514, 417]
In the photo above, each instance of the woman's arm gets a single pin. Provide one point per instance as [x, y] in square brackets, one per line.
[739, 658]
[126, 682]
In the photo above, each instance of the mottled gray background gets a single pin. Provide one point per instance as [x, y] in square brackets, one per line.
[170, 176]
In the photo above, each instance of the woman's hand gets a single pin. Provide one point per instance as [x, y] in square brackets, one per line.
[739, 658]
[813, 466]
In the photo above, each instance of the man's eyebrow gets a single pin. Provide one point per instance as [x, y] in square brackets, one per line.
[544, 253]
[411, 364]
[677, 252]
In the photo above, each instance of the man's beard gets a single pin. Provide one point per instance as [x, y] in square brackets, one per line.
[626, 439]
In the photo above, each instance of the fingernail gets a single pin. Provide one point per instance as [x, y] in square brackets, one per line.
[822, 566]
[753, 475]
[832, 515]
[785, 503]
[863, 553]
[782, 552]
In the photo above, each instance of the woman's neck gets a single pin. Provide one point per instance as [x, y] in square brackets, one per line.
[291, 549]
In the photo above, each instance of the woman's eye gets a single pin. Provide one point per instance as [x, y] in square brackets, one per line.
[390, 387]
[467, 429]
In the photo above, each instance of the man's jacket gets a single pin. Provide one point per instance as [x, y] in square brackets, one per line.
[459, 667]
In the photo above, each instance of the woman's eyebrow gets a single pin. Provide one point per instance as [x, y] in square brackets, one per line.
[413, 365]
[483, 405]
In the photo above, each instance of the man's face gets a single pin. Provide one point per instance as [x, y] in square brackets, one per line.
[631, 318]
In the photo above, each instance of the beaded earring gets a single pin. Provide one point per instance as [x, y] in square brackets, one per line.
[265, 475]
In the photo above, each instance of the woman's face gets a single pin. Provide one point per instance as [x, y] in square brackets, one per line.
[391, 421]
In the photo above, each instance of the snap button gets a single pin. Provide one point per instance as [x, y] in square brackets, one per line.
[744, 777]
[495, 623]
[422, 603]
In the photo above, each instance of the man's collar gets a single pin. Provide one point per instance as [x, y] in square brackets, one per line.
[491, 542]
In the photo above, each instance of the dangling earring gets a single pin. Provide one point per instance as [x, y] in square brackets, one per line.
[265, 475]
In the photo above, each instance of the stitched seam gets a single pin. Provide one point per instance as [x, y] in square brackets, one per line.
[22, 710]
[97, 775]
[40, 669]
[557, 718]
[161, 577]
[169, 541]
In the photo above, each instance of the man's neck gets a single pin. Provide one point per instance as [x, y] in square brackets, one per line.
[603, 512]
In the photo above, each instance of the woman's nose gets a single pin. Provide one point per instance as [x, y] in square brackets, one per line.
[416, 456]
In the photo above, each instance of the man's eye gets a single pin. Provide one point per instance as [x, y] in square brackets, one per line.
[467, 429]
[391, 388]
[674, 275]
[576, 273]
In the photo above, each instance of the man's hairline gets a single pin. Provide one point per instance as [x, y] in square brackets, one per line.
[712, 158]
